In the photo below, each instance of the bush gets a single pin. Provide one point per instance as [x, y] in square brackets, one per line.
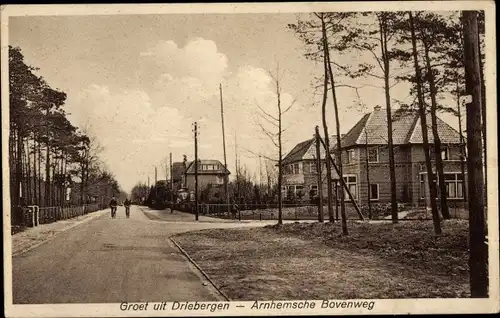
[380, 210]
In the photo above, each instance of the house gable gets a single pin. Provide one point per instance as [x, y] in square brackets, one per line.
[371, 129]
[218, 171]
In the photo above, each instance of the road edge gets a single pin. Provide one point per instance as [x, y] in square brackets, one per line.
[200, 269]
[29, 248]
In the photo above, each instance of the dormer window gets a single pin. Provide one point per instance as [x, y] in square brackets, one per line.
[445, 153]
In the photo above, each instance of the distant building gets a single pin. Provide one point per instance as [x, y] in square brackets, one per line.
[210, 172]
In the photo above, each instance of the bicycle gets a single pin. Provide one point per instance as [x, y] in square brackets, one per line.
[113, 211]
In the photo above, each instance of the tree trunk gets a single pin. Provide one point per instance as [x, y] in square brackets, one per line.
[280, 171]
[19, 169]
[339, 144]
[41, 199]
[325, 127]
[483, 116]
[478, 257]
[423, 123]
[368, 176]
[48, 197]
[462, 142]
[435, 133]
[26, 171]
[12, 166]
[319, 174]
[392, 164]
[35, 174]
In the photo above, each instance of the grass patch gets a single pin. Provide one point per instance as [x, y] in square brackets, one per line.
[315, 261]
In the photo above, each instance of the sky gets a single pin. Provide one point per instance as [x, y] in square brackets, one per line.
[139, 82]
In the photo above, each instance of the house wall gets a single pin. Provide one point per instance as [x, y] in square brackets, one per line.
[203, 181]
[380, 173]
[410, 162]
[418, 167]
[306, 178]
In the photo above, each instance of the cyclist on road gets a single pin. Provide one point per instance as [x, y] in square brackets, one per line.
[127, 204]
[113, 204]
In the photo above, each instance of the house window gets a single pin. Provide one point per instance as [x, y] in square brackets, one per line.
[350, 156]
[373, 155]
[422, 186]
[445, 154]
[299, 191]
[312, 167]
[313, 191]
[453, 183]
[295, 168]
[351, 182]
[374, 192]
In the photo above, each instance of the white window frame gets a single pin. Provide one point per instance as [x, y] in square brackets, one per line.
[348, 183]
[446, 150]
[312, 167]
[349, 152]
[421, 179]
[378, 192]
[378, 154]
[458, 184]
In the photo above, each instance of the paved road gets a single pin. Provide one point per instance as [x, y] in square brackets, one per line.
[112, 260]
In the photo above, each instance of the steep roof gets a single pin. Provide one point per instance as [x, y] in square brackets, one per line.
[372, 129]
[298, 151]
[447, 134]
[220, 170]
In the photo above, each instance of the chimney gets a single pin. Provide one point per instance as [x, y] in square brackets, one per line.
[377, 108]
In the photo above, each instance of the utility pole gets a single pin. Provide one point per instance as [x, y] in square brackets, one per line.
[318, 171]
[224, 147]
[149, 187]
[478, 255]
[196, 169]
[237, 169]
[171, 186]
[156, 181]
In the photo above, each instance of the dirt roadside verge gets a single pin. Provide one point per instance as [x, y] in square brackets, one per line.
[314, 261]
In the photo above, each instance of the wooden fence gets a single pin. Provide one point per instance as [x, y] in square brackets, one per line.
[34, 215]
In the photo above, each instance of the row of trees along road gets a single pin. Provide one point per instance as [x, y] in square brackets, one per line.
[436, 54]
[47, 154]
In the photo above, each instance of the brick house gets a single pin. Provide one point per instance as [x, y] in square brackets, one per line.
[210, 172]
[300, 173]
[368, 137]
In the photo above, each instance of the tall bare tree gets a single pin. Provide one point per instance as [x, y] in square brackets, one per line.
[275, 134]
[331, 217]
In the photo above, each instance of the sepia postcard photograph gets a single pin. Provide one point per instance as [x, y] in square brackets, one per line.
[249, 159]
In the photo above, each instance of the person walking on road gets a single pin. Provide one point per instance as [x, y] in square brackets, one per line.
[235, 209]
[127, 204]
[113, 204]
